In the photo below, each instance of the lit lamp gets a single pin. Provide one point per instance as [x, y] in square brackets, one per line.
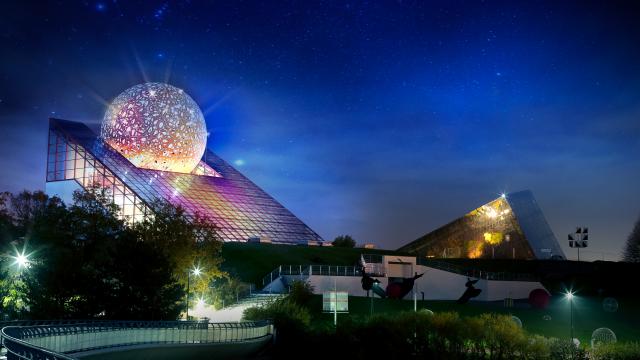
[569, 296]
[196, 271]
[21, 260]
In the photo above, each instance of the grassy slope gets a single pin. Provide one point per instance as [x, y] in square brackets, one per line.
[251, 262]
[588, 315]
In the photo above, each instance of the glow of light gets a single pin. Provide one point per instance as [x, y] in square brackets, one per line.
[503, 195]
[239, 162]
[197, 271]
[491, 213]
[201, 302]
[570, 296]
[21, 260]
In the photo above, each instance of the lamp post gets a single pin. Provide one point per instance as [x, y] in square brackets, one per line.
[196, 271]
[570, 298]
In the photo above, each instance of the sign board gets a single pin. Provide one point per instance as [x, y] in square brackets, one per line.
[335, 301]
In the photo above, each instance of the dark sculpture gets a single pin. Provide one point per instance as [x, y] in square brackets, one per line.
[398, 290]
[369, 283]
[471, 291]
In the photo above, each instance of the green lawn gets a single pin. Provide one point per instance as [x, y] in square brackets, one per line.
[251, 262]
[588, 315]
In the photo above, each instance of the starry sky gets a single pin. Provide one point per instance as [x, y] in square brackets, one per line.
[383, 120]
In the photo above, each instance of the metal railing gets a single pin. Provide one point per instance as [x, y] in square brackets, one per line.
[478, 274]
[61, 341]
[307, 270]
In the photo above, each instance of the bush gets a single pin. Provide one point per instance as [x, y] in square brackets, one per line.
[345, 241]
[618, 351]
[291, 322]
[408, 335]
[301, 293]
[566, 350]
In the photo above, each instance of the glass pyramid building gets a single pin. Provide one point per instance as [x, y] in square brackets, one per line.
[78, 158]
[509, 227]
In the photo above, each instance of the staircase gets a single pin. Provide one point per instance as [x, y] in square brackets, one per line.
[233, 312]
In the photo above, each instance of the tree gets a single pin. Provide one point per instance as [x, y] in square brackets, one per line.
[345, 241]
[632, 249]
[188, 243]
[227, 289]
[87, 262]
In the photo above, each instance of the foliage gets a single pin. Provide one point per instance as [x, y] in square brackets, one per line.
[345, 241]
[419, 334]
[227, 290]
[301, 293]
[86, 262]
[188, 243]
[291, 321]
[566, 350]
[632, 248]
[618, 351]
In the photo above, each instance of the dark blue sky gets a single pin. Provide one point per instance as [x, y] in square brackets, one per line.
[383, 120]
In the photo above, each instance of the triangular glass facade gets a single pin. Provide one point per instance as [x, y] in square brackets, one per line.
[509, 227]
[214, 190]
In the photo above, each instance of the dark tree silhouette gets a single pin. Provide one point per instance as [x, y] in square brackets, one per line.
[86, 262]
[344, 241]
[632, 250]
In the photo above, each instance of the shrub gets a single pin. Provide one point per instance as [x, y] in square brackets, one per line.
[447, 332]
[566, 350]
[345, 241]
[291, 322]
[301, 293]
[618, 351]
[502, 336]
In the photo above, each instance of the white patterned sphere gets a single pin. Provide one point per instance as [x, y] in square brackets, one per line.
[156, 126]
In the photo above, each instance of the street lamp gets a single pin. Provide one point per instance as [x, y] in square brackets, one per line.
[21, 260]
[196, 271]
[569, 296]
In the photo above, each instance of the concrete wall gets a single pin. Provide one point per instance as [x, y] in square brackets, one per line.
[350, 284]
[443, 285]
[436, 285]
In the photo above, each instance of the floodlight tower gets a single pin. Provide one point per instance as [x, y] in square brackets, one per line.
[579, 239]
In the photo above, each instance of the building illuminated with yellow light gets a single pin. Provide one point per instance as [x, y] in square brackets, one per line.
[509, 227]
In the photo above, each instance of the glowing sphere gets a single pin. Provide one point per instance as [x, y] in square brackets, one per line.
[156, 126]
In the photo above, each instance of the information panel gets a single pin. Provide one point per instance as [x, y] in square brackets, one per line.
[331, 298]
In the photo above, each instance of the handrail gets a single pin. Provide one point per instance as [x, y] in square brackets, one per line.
[59, 341]
[332, 270]
[479, 274]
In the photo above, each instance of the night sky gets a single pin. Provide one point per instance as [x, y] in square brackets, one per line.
[383, 120]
